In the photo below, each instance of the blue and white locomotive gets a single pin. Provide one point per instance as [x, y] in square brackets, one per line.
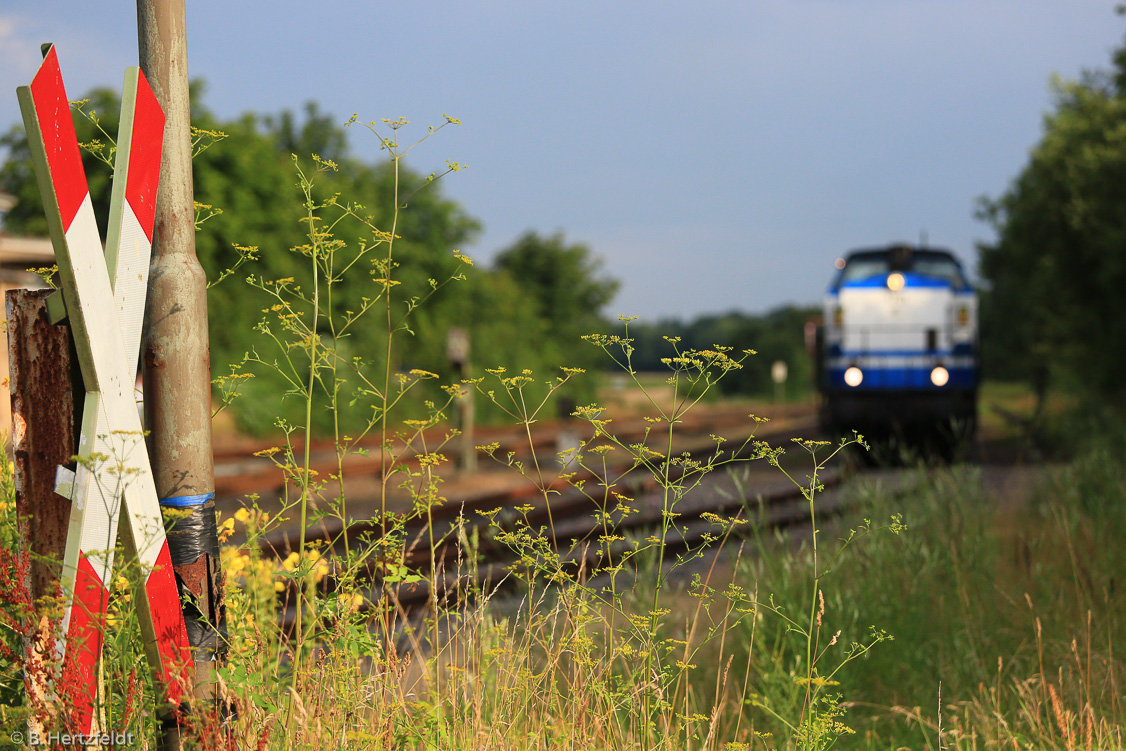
[899, 348]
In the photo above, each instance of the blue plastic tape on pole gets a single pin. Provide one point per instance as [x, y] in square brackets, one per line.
[182, 501]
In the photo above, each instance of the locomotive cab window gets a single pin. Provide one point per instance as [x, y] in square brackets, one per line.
[858, 269]
[940, 267]
[864, 265]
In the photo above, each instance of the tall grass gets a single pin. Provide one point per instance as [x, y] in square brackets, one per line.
[1005, 605]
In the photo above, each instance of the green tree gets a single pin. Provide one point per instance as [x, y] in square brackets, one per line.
[1056, 272]
[565, 282]
[567, 290]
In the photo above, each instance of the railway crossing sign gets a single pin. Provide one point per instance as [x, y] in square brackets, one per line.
[104, 296]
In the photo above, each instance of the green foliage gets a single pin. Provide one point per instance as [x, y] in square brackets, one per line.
[1056, 273]
[564, 281]
[1007, 621]
[802, 645]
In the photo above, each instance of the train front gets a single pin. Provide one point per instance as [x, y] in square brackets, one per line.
[899, 351]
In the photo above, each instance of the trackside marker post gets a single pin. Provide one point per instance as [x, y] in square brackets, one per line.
[105, 297]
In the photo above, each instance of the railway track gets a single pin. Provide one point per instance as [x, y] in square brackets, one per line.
[242, 467]
[568, 512]
[557, 493]
[584, 550]
[575, 511]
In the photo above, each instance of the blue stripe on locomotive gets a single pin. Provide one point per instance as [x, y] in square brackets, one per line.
[910, 280]
[897, 379]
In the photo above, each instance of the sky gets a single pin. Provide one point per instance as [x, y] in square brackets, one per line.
[716, 155]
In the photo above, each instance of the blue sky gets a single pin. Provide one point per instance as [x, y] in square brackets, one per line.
[717, 155]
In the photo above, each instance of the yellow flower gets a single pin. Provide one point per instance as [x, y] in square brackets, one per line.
[242, 515]
[237, 563]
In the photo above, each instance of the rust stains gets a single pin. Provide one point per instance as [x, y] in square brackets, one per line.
[46, 384]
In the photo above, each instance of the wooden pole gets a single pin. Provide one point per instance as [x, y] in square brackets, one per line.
[176, 360]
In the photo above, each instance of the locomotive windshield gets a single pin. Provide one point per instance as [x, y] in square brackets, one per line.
[935, 264]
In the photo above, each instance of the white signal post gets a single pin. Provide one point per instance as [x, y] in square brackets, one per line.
[105, 297]
[778, 374]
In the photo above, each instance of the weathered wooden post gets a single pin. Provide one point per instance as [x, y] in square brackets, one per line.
[177, 368]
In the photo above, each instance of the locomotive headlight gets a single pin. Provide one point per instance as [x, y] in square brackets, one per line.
[940, 376]
[854, 376]
[896, 281]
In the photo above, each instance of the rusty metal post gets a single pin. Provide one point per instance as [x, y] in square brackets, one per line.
[176, 360]
[46, 384]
